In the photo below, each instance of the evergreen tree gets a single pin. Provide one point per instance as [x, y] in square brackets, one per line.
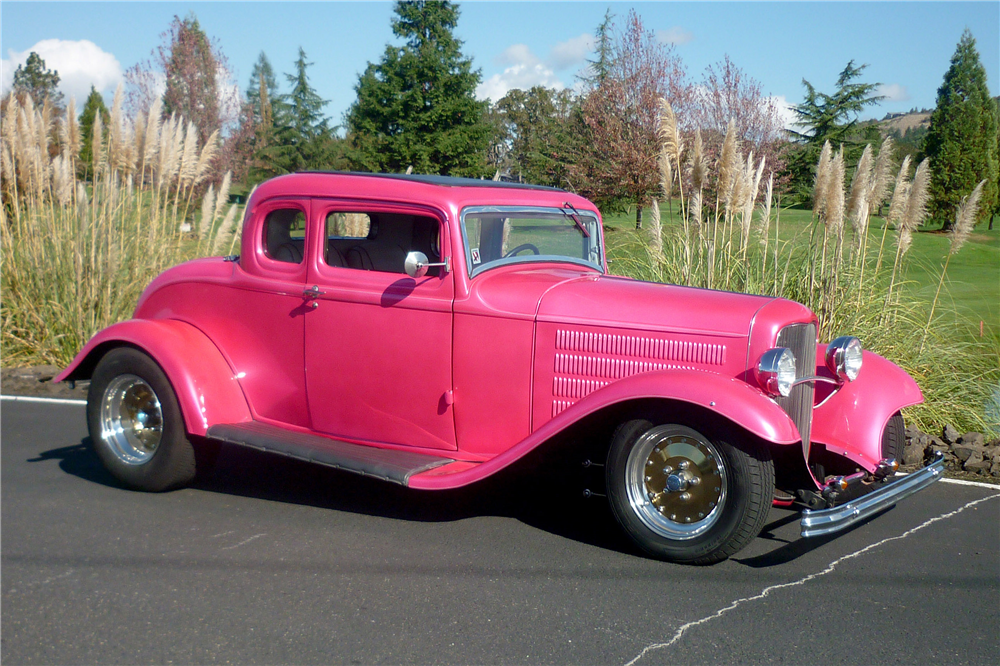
[262, 76]
[536, 132]
[300, 137]
[34, 79]
[962, 140]
[191, 68]
[417, 106]
[600, 66]
[832, 118]
[93, 106]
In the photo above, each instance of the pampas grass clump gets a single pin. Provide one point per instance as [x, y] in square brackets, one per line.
[77, 254]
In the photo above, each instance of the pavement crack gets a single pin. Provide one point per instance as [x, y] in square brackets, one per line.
[243, 543]
[802, 581]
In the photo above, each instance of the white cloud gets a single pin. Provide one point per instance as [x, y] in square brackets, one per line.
[675, 35]
[893, 92]
[525, 71]
[571, 52]
[80, 64]
[785, 111]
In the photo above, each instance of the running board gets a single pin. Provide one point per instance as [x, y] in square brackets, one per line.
[385, 464]
[828, 521]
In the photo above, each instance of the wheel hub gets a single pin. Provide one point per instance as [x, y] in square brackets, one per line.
[131, 419]
[681, 489]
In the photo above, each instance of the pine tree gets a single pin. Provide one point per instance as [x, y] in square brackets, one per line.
[962, 140]
[262, 76]
[300, 137]
[93, 106]
[832, 118]
[599, 67]
[34, 79]
[417, 106]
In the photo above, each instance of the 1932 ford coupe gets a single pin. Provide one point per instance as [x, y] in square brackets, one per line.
[431, 331]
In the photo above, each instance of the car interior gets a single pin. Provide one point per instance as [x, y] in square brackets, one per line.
[363, 241]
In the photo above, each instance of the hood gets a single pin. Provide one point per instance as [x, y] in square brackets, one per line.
[626, 303]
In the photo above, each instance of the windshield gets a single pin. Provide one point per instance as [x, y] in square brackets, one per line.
[499, 235]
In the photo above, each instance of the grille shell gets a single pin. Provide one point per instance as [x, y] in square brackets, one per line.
[801, 339]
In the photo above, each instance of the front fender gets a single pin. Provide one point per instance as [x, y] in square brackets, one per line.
[206, 386]
[731, 399]
[850, 421]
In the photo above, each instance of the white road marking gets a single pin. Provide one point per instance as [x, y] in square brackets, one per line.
[57, 401]
[244, 542]
[977, 484]
[802, 581]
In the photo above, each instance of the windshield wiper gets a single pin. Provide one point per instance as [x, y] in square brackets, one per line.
[575, 217]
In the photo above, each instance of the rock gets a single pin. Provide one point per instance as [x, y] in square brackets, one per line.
[995, 457]
[913, 455]
[912, 432]
[995, 469]
[949, 434]
[964, 452]
[975, 463]
[974, 438]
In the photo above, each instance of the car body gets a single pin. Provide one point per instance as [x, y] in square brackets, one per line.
[431, 331]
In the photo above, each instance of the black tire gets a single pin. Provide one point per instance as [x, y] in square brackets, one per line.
[715, 520]
[144, 445]
[894, 438]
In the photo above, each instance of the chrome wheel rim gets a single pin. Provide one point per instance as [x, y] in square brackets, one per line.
[676, 482]
[131, 419]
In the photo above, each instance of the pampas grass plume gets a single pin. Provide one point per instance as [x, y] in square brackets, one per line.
[965, 218]
[656, 231]
[834, 195]
[899, 193]
[822, 179]
[698, 167]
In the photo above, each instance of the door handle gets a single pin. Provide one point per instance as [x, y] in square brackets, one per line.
[313, 292]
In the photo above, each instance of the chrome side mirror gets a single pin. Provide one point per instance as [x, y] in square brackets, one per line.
[416, 264]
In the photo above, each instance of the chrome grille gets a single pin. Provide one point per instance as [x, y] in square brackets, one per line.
[801, 339]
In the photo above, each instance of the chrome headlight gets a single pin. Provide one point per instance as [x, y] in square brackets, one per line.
[776, 371]
[843, 357]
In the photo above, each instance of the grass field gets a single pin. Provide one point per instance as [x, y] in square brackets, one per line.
[971, 292]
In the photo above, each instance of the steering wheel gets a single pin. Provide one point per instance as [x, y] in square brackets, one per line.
[522, 246]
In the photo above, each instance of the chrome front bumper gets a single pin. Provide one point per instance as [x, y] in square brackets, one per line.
[828, 521]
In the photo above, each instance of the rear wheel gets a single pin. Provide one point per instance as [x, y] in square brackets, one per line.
[686, 497]
[135, 423]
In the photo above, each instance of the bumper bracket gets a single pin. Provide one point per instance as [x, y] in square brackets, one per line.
[828, 521]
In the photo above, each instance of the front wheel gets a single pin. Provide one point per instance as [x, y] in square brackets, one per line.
[685, 497]
[135, 423]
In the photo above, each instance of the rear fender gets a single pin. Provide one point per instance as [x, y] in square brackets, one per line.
[206, 386]
[850, 421]
[731, 399]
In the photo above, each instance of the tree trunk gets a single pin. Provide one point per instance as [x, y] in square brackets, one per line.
[991, 222]
[638, 216]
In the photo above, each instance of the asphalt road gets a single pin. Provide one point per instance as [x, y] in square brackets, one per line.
[271, 561]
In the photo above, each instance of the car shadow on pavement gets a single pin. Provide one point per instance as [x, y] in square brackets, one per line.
[535, 494]
[79, 460]
[796, 546]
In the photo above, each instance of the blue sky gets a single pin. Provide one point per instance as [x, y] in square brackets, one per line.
[907, 45]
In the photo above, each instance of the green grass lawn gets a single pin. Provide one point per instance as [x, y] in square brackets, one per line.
[972, 285]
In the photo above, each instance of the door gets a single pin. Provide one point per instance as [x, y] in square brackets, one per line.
[259, 320]
[378, 343]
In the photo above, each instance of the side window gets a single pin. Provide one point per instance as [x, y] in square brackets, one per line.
[285, 234]
[379, 241]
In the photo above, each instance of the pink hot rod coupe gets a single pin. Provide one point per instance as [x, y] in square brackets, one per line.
[431, 331]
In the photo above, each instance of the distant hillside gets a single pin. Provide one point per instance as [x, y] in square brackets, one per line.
[904, 122]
